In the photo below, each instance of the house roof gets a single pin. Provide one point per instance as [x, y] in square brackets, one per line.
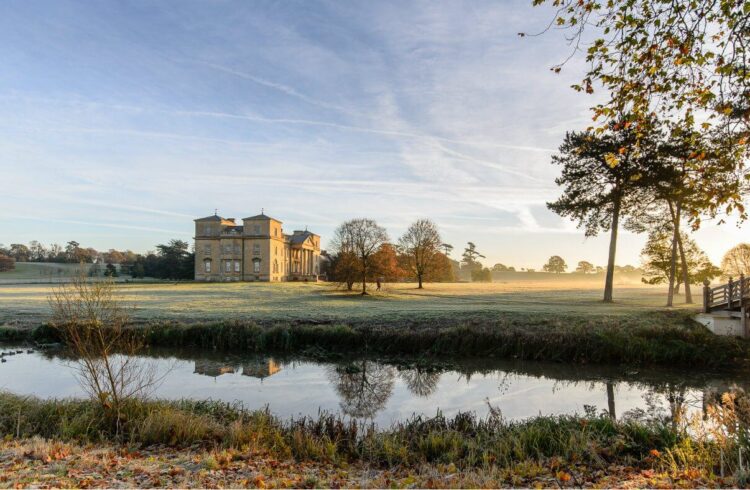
[261, 216]
[213, 217]
[299, 237]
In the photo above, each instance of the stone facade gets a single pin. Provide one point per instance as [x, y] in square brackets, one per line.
[256, 250]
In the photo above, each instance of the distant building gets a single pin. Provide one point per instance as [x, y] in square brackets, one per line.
[256, 250]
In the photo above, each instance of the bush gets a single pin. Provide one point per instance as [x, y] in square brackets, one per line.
[7, 263]
[481, 275]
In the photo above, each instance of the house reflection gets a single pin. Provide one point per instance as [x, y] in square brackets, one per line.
[257, 368]
[212, 368]
[261, 368]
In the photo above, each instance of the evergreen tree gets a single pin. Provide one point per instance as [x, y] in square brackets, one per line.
[600, 182]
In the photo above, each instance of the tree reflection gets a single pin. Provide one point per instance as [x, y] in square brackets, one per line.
[422, 382]
[364, 387]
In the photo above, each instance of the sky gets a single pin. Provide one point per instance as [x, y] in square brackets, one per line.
[121, 122]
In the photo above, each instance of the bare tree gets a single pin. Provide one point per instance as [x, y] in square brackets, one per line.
[93, 322]
[421, 243]
[363, 238]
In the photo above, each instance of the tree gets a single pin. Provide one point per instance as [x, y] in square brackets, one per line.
[674, 58]
[470, 256]
[7, 263]
[555, 264]
[443, 269]
[361, 237]
[481, 274]
[657, 260]
[37, 252]
[679, 186]
[385, 265]
[94, 323]
[173, 261]
[447, 249]
[110, 270]
[737, 261]
[345, 268]
[585, 267]
[421, 243]
[600, 180]
[20, 252]
[502, 268]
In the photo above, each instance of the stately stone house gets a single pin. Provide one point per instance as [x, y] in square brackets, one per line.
[256, 250]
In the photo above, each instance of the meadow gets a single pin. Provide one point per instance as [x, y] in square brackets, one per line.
[324, 302]
[553, 319]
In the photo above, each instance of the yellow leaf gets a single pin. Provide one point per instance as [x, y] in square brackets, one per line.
[611, 160]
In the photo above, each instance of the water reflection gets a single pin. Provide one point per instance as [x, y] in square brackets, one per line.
[364, 387]
[385, 391]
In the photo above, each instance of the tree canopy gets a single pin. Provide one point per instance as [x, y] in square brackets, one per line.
[737, 261]
[555, 264]
[420, 244]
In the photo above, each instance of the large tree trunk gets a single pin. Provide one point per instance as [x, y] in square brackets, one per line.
[673, 257]
[609, 281]
[419, 280]
[611, 400]
[364, 276]
[685, 271]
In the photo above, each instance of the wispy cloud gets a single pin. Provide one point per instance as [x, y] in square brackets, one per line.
[116, 118]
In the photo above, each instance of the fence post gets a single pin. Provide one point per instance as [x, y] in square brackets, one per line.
[729, 294]
[742, 287]
[706, 296]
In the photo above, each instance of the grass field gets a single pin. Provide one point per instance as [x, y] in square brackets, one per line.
[324, 302]
[551, 320]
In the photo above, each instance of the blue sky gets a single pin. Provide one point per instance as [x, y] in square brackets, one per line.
[120, 122]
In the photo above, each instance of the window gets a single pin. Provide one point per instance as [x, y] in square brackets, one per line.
[256, 266]
[275, 232]
[227, 249]
[256, 229]
[237, 265]
[276, 266]
[206, 229]
[236, 248]
[228, 266]
[207, 249]
[256, 249]
[207, 265]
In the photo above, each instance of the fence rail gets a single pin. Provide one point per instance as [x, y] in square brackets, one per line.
[733, 295]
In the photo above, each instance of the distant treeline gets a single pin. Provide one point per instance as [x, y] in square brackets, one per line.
[172, 260]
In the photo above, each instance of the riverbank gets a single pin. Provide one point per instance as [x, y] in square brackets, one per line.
[73, 443]
[642, 338]
[529, 320]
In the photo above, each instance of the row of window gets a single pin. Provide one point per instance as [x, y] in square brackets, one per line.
[228, 249]
[236, 266]
[230, 265]
[208, 230]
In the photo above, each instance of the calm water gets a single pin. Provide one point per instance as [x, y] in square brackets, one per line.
[384, 392]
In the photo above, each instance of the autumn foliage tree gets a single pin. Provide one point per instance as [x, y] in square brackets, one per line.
[7, 263]
[360, 238]
[421, 244]
[386, 265]
[671, 58]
